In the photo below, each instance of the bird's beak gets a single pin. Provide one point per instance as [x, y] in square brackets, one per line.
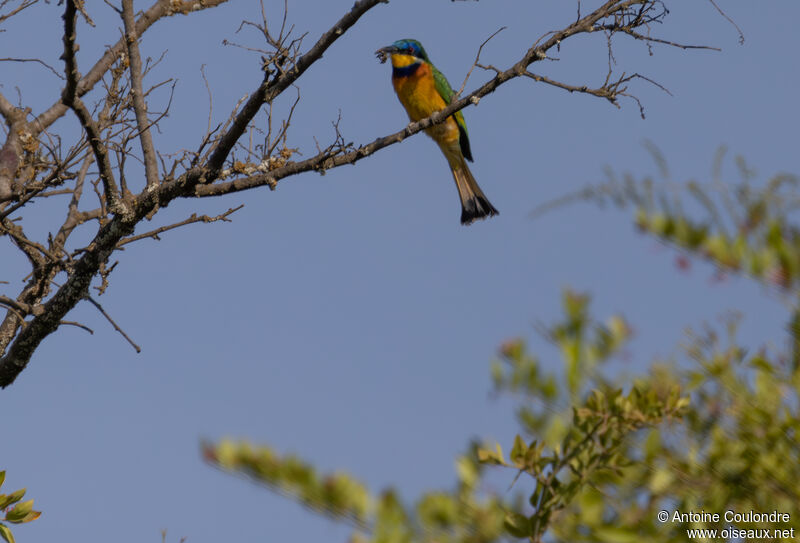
[383, 51]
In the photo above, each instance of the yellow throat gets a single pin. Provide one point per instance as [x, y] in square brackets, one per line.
[400, 60]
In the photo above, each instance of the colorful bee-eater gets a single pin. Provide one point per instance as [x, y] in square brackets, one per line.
[423, 90]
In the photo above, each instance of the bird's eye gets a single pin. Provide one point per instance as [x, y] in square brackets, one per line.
[410, 49]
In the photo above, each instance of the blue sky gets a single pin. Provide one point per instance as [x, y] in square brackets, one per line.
[350, 318]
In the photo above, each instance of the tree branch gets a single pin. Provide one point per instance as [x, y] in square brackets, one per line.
[114, 324]
[331, 159]
[69, 98]
[269, 90]
[23, 308]
[191, 220]
[205, 177]
[137, 93]
[23, 5]
[160, 9]
[6, 107]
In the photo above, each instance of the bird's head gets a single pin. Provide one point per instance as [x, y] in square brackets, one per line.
[404, 53]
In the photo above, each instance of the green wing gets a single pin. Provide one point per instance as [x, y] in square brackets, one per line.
[446, 92]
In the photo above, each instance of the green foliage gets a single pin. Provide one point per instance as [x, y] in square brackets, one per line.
[585, 444]
[761, 242]
[740, 449]
[441, 516]
[737, 448]
[14, 510]
[739, 227]
[585, 345]
[337, 494]
[716, 429]
[582, 448]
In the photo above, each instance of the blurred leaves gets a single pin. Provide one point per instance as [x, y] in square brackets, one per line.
[591, 433]
[731, 442]
[715, 429]
[335, 494]
[740, 227]
[585, 345]
[738, 445]
[442, 516]
[588, 442]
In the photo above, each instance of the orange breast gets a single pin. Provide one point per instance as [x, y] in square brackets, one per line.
[417, 92]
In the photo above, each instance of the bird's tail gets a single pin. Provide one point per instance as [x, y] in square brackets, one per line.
[474, 204]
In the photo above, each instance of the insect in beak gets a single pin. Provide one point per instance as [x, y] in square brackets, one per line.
[384, 51]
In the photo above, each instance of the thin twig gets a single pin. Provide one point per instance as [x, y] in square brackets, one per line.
[478, 59]
[114, 324]
[739, 30]
[157, 11]
[43, 63]
[637, 35]
[79, 325]
[269, 90]
[193, 219]
[23, 5]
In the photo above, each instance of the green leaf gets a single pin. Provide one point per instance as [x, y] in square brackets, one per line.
[486, 456]
[467, 471]
[616, 535]
[517, 525]
[2, 477]
[652, 445]
[556, 431]
[682, 403]
[14, 497]
[591, 506]
[19, 512]
[33, 515]
[6, 533]
[518, 452]
[757, 361]
[660, 481]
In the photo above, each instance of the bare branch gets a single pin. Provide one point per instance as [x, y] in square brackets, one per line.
[114, 324]
[70, 98]
[6, 107]
[270, 89]
[11, 152]
[739, 30]
[23, 5]
[78, 325]
[23, 308]
[156, 12]
[73, 216]
[639, 36]
[79, 4]
[193, 219]
[139, 105]
[34, 251]
[609, 91]
[43, 63]
[478, 59]
[211, 170]
[329, 159]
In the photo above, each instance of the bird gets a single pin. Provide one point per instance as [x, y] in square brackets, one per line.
[423, 90]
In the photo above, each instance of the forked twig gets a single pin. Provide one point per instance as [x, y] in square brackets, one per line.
[478, 59]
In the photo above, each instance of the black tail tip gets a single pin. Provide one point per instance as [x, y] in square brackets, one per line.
[476, 208]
